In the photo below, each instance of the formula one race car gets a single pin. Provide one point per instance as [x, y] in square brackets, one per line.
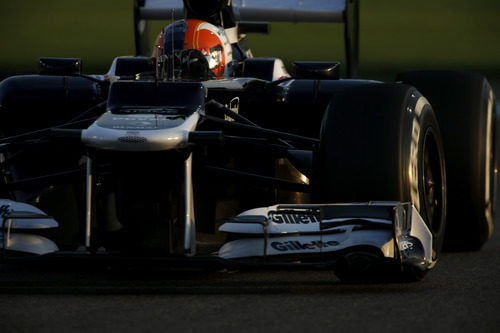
[198, 153]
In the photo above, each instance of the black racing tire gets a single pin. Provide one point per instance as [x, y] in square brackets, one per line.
[465, 109]
[381, 142]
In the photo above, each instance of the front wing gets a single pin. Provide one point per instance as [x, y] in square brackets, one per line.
[288, 234]
[394, 231]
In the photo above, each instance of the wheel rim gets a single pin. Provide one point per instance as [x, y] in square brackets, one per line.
[432, 183]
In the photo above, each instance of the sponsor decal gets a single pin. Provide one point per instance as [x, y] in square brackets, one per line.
[296, 245]
[5, 210]
[234, 106]
[406, 245]
[290, 218]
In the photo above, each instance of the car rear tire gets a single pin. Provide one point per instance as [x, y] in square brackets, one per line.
[465, 109]
[381, 142]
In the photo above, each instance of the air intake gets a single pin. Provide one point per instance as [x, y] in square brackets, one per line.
[132, 139]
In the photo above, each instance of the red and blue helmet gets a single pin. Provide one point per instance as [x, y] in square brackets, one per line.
[193, 34]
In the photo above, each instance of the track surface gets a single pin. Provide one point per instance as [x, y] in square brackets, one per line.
[461, 294]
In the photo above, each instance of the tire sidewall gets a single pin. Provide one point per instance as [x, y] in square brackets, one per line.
[372, 149]
[420, 133]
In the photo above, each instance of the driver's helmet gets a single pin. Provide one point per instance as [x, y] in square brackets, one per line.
[193, 34]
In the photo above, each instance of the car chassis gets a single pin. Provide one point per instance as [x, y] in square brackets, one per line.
[199, 128]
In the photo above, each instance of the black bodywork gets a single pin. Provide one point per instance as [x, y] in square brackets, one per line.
[259, 158]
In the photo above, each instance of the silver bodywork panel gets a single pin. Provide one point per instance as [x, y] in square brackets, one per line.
[140, 132]
[20, 217]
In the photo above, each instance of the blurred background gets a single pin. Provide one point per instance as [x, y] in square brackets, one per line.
[395, 35]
